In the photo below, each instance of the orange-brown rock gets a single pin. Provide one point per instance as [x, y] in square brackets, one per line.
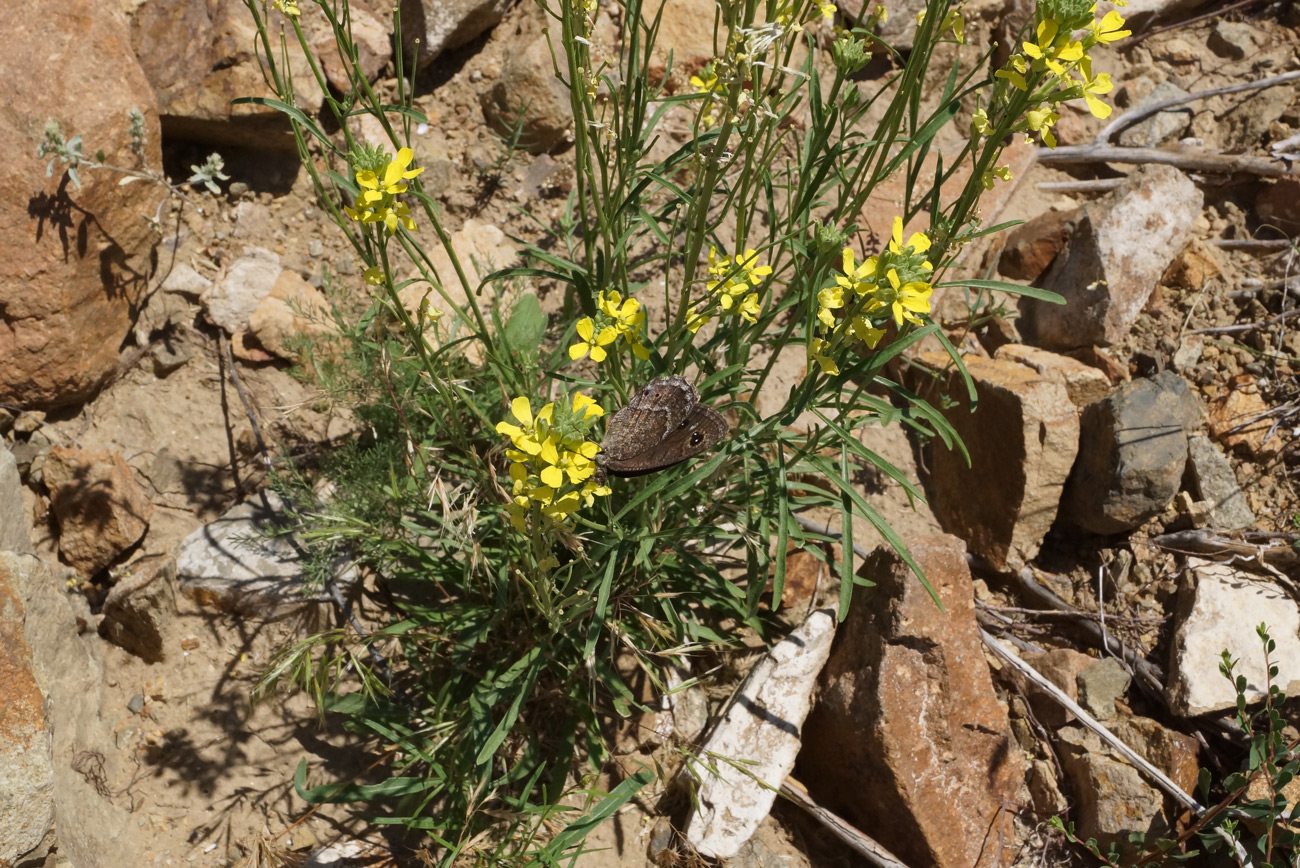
[216, 40]
[1022, 440]
[100, 509]
[76, 260]
[1083, 383]
[1031, 247]
[294, 309]
[27, 797]
[908, 739]
[1237, 421]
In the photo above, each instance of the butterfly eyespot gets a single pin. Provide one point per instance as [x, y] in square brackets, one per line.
[697, 438]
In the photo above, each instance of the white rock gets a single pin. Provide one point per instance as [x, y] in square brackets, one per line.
[231, 565]
[1219, 608]
[760, 734]
[240, 290]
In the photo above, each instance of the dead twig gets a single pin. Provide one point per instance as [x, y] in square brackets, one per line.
[1247, 326]
[1276, 550]
[1188, 161]
[1096, 185]
[859, 843]
[1091, 616]
[1252, 244]
[1138, 115]
[1149, 677]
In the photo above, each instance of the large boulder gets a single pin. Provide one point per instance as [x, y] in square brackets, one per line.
[908, 739]
[1022, 440]
[218, 40]
[76, 259]
[1121, 246]
[1132, 454]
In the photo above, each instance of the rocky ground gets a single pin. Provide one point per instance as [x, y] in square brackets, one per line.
[149, 660]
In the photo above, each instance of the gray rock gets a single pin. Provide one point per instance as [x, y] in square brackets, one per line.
[1231, 39]
[1214, 480]
[443, 24]
[1118, 252]
[89, 828]
[26, 763]
[1100, 685]
[1132, 454]
[15, 535]
[1111, 797]
[231, 565]
[1219, 608]
[1168, 124]
[528, 94]
[139, 606]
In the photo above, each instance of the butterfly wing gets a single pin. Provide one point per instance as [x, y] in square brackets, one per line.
[702, 429]
[650, 416]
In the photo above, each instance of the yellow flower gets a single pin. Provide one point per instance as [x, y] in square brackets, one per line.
[374, 275]
[918, 243]
[524, 435]
[555, 456]
[705, 81]
[592, 342]
[908, 299]
[749, 309]
[816, 351]
[980, 123]
[695, 320]
[1094, 86]
[1002, 172]
[862, 329]
[1045, 50]
[829, 300]
[1040, 121]
[376, 200]
[859, 278]
[585, 407]
[590, 491]
[616, 317]
[1107, 30]
[828, 9]
[288, 7]
[1014, 72]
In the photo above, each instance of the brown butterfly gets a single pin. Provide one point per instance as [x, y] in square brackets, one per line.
[662, 425]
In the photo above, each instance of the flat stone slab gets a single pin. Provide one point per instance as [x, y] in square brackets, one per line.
[233, 565]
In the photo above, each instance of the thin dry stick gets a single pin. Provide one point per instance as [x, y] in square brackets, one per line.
[1096, 185]
[840, 828]
[1189, 161]
[1137, 115]
[1089, 721]
[1252, 243]
[1247, 326]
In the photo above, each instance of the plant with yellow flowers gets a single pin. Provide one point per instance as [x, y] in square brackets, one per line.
[724, 225]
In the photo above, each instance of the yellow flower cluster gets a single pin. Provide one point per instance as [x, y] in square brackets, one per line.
[288, 7]
[551, 461]
[616, 317]
[1046, 66]
[893, 284]
[377, 201]
[737, 276]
